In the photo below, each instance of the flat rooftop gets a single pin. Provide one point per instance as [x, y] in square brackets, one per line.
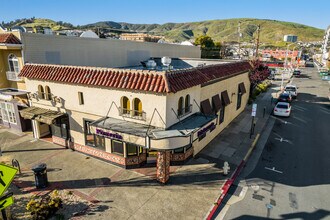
[178, 63]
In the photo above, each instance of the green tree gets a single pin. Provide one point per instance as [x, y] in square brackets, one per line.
[217, 44]
[204, 41]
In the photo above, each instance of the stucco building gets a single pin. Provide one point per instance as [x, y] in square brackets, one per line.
[135, 116]
[12, 88]
[140, 37]
[18, 48]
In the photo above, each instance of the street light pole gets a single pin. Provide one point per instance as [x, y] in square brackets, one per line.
[257, 47]
[239, 39]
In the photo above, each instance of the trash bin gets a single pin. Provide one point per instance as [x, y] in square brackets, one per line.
[40, 175]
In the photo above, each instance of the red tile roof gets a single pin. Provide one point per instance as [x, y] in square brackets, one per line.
[141, 80]
[9, 39]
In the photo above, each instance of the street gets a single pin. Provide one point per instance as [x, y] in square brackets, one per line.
[291, 179]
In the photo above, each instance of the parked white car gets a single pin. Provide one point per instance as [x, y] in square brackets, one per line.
[282, 109]
[292, 90]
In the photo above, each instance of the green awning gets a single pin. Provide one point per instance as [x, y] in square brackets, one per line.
[40, 114]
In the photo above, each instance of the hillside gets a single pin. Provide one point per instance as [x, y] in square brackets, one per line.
[272, 31]
[35, 22]
[223, 30]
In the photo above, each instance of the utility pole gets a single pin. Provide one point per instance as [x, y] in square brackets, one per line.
[257, 47]
[239, 39]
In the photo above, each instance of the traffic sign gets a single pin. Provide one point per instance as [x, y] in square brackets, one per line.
[6, 201]
[7, 174]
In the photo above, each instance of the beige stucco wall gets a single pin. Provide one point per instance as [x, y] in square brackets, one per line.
[53, 49]
[173, 100]
[231, 85]
[97, 100]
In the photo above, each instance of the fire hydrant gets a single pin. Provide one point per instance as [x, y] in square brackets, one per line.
[226, 168]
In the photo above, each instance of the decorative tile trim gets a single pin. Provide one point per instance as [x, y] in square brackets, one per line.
[60, 141]
[182, 156]
[100, 154]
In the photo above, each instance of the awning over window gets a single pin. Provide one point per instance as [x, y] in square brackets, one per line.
[225, 98]
[40, 114]
[216, 103]
[241, 87]
[206, 107]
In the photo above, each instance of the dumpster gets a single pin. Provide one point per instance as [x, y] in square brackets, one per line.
[40, 175]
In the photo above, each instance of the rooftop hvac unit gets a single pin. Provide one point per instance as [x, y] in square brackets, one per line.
[166, 61]
[151, 64]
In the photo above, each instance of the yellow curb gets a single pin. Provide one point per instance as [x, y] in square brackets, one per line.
[252, 147]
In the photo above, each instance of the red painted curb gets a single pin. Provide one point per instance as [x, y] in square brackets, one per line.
[225, 189]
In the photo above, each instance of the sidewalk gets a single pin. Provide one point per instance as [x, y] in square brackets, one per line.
[105, 191]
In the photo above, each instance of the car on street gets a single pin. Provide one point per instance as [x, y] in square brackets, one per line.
[292, 90]
[282, 109]
[285, 97]
[296, 72]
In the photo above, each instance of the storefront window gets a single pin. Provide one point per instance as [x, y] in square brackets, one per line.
[179, 150]
[89, 137]
[117, 147]
[100, 142]
[8, 112]
[132, 149]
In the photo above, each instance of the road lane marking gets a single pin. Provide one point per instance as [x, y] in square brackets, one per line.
[273, 169]
[281, 140]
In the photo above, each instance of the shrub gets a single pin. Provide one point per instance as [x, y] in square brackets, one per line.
[43, 207]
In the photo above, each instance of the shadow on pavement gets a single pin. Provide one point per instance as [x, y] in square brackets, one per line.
[318, 214]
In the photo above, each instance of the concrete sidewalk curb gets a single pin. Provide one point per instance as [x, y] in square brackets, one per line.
[225, 188]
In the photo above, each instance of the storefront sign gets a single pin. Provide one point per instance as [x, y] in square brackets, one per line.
[109, 134]
[202, 132]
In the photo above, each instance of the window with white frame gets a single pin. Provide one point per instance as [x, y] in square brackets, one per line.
[8, 112]
[13, 63]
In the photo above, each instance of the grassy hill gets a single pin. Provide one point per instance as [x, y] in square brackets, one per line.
[35, 22]
[272, 31]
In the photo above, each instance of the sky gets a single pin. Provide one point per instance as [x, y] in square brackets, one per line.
[315, 13]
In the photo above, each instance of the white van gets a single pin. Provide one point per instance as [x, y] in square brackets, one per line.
[292, 90]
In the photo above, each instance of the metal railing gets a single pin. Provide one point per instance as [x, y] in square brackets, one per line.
[13, 76]
[128, 113]
[184, 111]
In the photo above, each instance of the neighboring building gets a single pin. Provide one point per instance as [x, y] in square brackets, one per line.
[140, 37]
[13, 96]
[134, 116]
[325, 47]
[290, 38]
[54, 49]
[89, 34]
[280, 54]
[187, 43]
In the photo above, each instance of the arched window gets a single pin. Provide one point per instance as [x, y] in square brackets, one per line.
[187, 104]
[41, 93]
[125, 105]
[13, 63]
[180, 106]
[137, 107]
[48, 95]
